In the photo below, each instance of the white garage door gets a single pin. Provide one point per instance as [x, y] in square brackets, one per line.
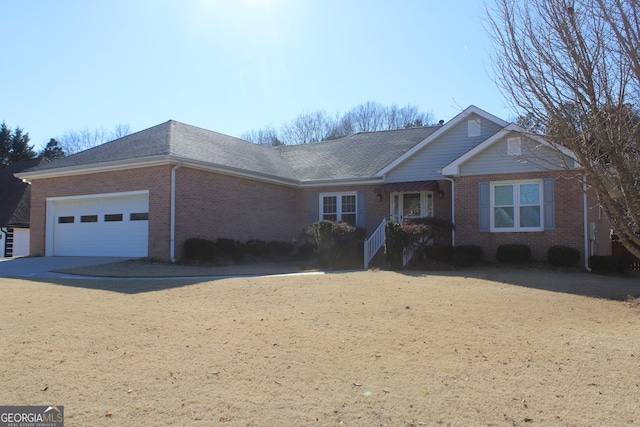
[103, 225]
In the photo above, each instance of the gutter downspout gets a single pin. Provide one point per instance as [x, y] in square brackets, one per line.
[172, 248]
[586, 224]
[453, 209]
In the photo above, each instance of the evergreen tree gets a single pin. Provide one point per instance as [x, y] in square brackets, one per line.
[14, 146]
[53, 150]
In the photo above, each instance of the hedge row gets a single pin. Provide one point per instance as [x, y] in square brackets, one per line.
[203, 249]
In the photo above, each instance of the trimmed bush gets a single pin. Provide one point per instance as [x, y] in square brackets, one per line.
[256, 247]
[306, 250]
[200, 249]
[466, 255]
[513, 253]
[278, 248]
[563, 256]
[438, 252]
[608, 264]
[395, 241]
[339, 244]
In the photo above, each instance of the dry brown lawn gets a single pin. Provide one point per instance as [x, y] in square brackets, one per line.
[477, 348]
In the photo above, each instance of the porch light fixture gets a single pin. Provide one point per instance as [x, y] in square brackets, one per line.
[379, 196]
[441, 194]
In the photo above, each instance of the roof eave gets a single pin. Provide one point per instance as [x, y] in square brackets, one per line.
[94, 168]
[341, 182]
[242, 173]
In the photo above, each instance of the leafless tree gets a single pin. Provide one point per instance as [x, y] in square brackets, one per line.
[266, 136]
[572, 67]
[311, 126]
[74, 141]
[314, 126]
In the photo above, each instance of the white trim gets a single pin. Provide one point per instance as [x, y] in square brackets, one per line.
[426, 204]
[453, 168]
[50, 211]
[341, 182]
[98, 196]
[95, 168]
[338, 196]
[516, 206]
[453, 208]
[443, 129]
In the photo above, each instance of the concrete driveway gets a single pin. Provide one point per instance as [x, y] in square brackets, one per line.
[41, 267]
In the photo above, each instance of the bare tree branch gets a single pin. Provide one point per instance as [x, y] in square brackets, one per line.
[572, 68]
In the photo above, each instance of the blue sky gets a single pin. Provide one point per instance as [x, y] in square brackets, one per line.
[236, 65]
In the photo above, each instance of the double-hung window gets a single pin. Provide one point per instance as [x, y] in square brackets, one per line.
[516, 206]
[338, 207]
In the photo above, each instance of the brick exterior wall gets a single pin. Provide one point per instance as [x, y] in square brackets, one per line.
[376, 209]
[212, 205]
[569, 220]
[599, 242]
[156, 179]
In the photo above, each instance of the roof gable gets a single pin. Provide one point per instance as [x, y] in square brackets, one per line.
[537, 154]
[442, 130]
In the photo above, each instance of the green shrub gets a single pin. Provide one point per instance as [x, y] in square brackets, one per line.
[200, 249]
[608, 264]
[306, 250]
[395, 241]
[339, 244]
[466, 255]
[230, 248]
[563, 256]
[438, 252]
[513, 253]
[279, 248]
[437, 230]
[256, 248]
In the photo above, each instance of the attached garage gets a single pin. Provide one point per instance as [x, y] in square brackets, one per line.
[115, 224]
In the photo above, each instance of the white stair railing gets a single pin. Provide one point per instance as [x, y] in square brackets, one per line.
[373, 244]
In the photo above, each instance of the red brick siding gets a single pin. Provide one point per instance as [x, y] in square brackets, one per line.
[211, 205]
[154, 179]
[376, 209]
[568, 216]
[602, 243]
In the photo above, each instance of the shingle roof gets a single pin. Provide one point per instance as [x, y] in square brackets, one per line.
[357, 156]
[15, 195]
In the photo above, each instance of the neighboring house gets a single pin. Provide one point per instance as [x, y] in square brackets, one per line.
[145, 194]
[14, 209]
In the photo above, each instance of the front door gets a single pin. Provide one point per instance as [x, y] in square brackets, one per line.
[410, 205]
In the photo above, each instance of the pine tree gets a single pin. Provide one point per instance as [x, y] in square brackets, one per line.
[53, 150]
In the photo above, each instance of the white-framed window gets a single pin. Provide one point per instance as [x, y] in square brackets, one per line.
[516, 206]
[411, 205]
[339, 207]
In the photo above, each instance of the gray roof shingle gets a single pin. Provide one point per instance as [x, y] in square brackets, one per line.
[356, 156]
